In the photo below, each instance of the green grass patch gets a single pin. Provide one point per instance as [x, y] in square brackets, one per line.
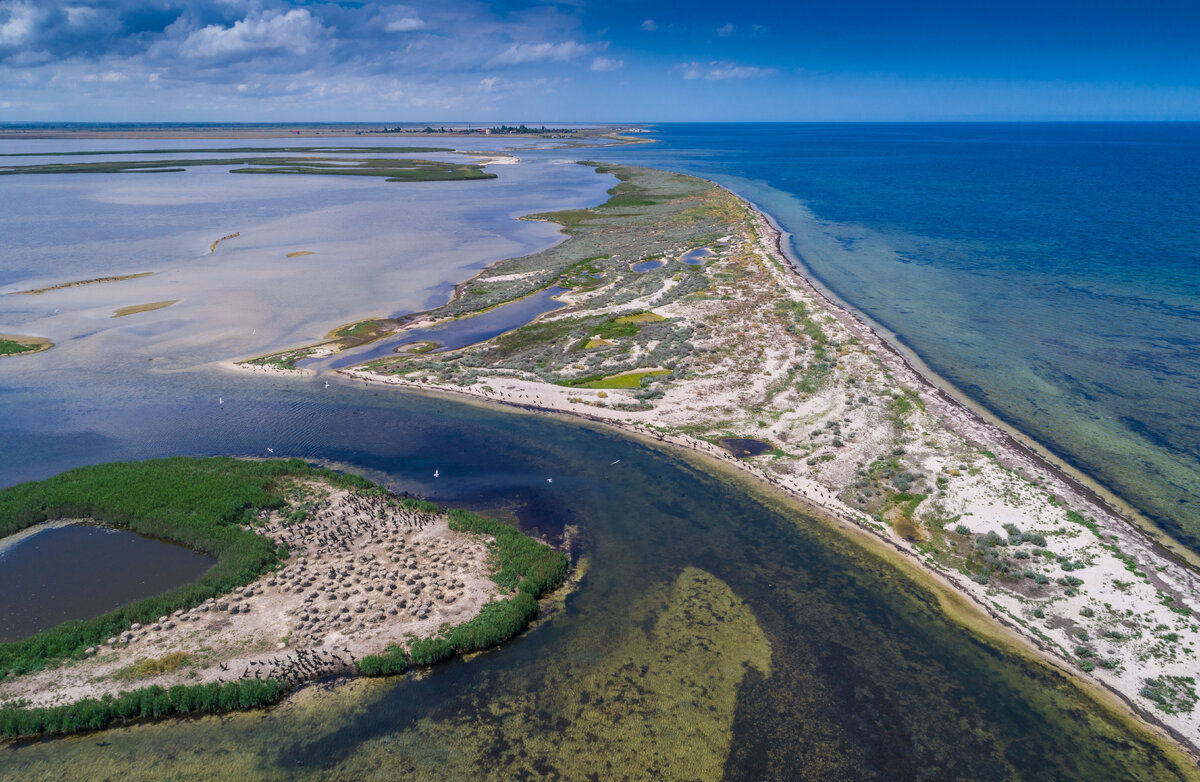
[9, 348]
[622, 380]
[153, 666]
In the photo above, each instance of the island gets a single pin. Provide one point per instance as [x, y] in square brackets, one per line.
[317, 574]
[678, 317]
[17, 344]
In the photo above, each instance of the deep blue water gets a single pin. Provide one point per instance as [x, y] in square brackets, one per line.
[1050, 271]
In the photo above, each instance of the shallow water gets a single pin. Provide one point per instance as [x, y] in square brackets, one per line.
[1047, 270]
[80, 571]
[455, 334]
[695, 257]
[645, 266]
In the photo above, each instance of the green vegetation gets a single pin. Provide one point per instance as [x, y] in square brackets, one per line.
[395, 170]
[1172, 694]
[147, 703]
[622, 380]
[15, 345]
[388, 663]
[10, 347]
[152, 667]
[200, 503]
[240, 151]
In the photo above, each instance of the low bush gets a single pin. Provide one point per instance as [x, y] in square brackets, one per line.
[146, 703]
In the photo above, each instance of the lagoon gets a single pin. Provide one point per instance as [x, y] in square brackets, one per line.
[57, 573]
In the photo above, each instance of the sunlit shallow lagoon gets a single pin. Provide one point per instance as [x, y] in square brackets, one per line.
[714, 632]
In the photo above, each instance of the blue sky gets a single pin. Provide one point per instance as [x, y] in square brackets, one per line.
[588, 60]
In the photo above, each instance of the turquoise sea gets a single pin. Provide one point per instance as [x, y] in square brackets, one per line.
[1049, 271]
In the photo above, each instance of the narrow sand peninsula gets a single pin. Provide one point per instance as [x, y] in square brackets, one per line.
[76, 283]
[134, 309]
[364, 573]
[838, 418]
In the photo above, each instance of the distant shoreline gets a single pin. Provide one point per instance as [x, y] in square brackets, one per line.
[285, 130]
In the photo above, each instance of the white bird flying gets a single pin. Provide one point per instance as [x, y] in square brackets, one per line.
[270, 450]
[435, 473]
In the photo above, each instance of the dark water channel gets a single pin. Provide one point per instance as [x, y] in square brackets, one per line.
[714, 633]
[80, 571]
[453, 334]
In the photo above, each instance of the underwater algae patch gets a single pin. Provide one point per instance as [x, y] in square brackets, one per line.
[657, 704]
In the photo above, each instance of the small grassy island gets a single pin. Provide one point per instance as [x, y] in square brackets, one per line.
[333, 162]
[16, 345]
[318, 574]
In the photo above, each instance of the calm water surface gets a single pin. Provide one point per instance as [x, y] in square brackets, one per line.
[454, 334]
[80, 571]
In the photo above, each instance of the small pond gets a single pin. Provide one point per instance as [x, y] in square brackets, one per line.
[645, 266]
[78, 571]
[696, 257]
[452, 334]
[742, 447]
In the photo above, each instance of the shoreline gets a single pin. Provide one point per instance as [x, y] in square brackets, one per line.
[982, 471]
[1029, 448]
[955, 599]
[968, 422]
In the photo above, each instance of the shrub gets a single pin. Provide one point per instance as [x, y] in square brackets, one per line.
[390, 662]
[146, 703]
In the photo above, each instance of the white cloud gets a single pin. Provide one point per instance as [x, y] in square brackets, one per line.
[105, 77]
[725, 30]
[540, 52]
[78, 15]
[649, 25]
[296, 31]
[405, 24]
[607, 64]
[19, 25]
[489, 84]
[717, 70]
